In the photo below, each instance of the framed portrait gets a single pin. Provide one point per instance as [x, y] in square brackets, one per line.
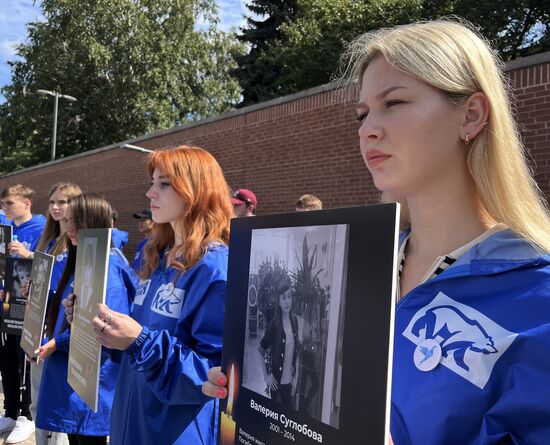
[35, 311]
[309, 327]
[18, 272]
[6, 232]
[90, 283]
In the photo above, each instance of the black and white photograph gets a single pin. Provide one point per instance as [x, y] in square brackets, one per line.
[35, 310]
[5, 239]
[89, 259]
[308, 327]
[90, 286]
[296, 286]
[18, 272]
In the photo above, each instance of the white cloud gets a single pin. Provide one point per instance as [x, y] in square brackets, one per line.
[7, 49]
[14, 15]
[232, 13]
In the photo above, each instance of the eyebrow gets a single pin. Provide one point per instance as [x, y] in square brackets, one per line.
[382, 94]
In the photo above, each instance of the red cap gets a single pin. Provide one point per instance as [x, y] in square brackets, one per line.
[244, 196]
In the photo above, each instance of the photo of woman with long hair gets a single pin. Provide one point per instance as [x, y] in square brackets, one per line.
[279, 348]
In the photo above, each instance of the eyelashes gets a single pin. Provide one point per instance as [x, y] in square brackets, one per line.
[361, 117]
[387, 104]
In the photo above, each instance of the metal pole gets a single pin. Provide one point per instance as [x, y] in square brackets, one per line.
[54, 130]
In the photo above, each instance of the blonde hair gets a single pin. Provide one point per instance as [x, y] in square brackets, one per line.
[20, 190]
[52, 230]
[309, 202]
[449, 55]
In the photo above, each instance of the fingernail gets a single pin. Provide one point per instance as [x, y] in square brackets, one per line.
[220, 393]
[221, 381]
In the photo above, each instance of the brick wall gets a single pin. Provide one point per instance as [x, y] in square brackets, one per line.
[531, 85]
[117, 174]
[281, 149]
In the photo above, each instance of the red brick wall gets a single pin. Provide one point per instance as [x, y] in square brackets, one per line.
[532, 91]
[305, 143]
[118, 174]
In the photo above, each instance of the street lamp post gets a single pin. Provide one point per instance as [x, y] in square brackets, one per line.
[56, 96]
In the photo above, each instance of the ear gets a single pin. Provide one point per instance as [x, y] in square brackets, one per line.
[476, 115]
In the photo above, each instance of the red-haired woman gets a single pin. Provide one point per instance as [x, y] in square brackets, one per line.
[174, 334]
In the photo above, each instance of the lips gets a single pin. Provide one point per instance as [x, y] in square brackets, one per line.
[374, 158]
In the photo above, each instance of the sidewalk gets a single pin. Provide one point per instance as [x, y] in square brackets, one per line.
[3, 437]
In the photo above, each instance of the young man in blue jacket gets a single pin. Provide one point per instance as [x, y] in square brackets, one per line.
[27, 229]
[146, 225]
[119, 237]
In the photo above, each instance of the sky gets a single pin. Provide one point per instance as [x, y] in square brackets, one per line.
[15, 14]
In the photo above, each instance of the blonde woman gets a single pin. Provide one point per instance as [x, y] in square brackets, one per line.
[472, 331]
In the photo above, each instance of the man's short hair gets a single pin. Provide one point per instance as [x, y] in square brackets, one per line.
[309, 202]
[22, 191]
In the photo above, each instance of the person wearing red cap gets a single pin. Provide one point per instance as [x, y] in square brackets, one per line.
[244, 203]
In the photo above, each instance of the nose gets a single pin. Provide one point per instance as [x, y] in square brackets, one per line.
[370, 129]
[151, 192]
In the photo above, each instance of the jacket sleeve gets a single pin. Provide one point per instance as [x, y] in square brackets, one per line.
[175, 366]
[521, 415]
[62, 340]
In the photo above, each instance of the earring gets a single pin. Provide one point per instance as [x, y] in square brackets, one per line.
[466, 139]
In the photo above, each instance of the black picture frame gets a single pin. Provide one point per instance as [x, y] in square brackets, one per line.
[13, 311]
[365, 332]
[6, 231]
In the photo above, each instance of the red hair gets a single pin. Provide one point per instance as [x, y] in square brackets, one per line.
[198, 179]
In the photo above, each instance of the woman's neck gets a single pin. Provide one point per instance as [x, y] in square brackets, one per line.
[62, 228]
[443, 221]
[179, 233]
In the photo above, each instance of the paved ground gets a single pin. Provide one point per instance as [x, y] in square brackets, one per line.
[29, 441]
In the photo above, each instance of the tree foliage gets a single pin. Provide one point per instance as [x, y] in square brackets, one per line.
[135, 66]
[310, 42]
[258, 75]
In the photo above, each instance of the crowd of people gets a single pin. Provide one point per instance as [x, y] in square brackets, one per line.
[45, 403]
[437, 134]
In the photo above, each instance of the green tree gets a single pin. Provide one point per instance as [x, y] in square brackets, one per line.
[258, 75]
[135, 66]
[311, 43]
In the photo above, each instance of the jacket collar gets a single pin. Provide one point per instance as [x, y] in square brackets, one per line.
[500, 252]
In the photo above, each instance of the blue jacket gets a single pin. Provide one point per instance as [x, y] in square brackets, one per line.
[3, 219]
[489, 314]
[59, 408]
[138, 257]
[158, 397]
[58, 268]
[119, 238]
[29, 233]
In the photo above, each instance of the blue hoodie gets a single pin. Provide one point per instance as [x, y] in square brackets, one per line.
[3, 219]
[29, 232]
[58, 268]
[59, 408]
[158, 397]
[138, 257]
[483, 325]
[119, 238]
